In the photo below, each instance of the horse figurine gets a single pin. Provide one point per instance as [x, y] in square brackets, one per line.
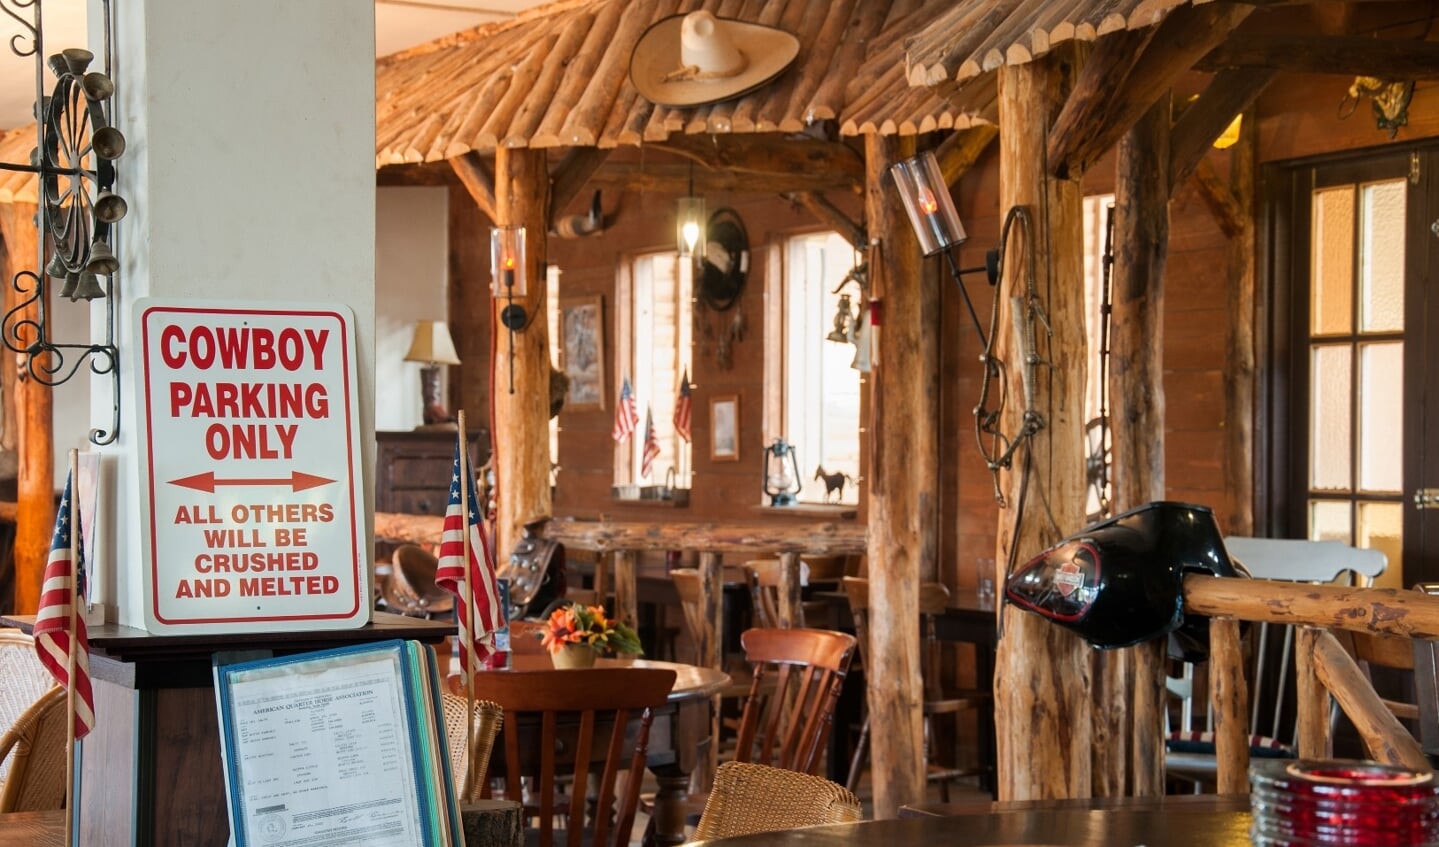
[833, 483]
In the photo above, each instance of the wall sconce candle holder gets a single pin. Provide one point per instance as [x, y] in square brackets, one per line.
[73, 162]
[510, 280]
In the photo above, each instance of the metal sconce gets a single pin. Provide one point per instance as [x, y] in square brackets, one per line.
[936, 224]
[781, 473]
[73, 160]
[507, 270]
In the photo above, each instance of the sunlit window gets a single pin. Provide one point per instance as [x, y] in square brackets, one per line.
[653, 341]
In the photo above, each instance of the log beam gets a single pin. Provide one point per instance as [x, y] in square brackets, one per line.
[571, 176]
[677, 179]
[35, 437]
[904, 482]
[770, 155]
[602, 536]
[1228, 95]
[1386, 611]
[1141, 245]
[1348, 55]
[1128, 72]
[1229, 215]
[958, 153]
[827, 213]
[522, 401]
[1043, 672]
[478, 180]
[1384, 736]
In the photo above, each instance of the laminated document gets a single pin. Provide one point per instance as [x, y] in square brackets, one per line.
[337, 747]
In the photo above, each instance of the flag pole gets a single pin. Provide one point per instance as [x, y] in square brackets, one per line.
[467, 652]
[71, 658]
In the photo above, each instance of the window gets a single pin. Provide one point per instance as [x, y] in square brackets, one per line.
[816, 408]
[653, 337]
[552, 319]
[1354, 341]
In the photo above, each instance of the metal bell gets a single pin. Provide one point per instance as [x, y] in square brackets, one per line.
[102, 261]
[72, 282]
[89, 288]
[108, 143]
[57, 267]
[97, 86]
[57, 64]
[110, 207]
[77, 59]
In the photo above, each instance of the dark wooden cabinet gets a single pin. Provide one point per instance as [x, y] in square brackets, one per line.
[412, 469]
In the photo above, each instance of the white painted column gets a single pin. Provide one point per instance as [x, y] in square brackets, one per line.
[250, 174]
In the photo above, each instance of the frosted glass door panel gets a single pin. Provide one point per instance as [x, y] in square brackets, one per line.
[1331, 432]
[1332, 286]
[1381, 417]
[1381, 267]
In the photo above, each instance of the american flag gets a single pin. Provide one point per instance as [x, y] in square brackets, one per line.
[477, 642]
[626, 414]
[683, 409]
[652, 444]
[53, 639]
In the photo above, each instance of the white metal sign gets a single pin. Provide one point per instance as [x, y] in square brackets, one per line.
[251, 467]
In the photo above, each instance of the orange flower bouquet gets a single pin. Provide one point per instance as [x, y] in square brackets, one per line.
[587, 626]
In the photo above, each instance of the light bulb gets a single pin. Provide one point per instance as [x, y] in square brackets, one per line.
[691, 235]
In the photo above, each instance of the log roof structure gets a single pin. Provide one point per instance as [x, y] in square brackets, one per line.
[558, 75]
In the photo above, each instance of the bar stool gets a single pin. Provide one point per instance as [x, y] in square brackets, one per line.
[933, 598]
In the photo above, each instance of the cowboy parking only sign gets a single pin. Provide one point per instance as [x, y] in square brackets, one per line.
[251, 467]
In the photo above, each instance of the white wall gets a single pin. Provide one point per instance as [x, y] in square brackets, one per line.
[411, 269]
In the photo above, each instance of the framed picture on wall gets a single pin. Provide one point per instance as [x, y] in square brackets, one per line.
[724, 428]
[582, 351]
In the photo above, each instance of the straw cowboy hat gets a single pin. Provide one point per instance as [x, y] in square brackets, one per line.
[693, 59]
[411, 588]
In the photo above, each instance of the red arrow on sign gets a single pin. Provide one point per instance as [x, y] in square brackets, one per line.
[206, 481]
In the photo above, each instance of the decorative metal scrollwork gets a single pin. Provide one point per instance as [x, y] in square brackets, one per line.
[73, 160]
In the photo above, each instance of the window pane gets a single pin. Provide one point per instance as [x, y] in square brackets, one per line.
[1331, 306]
[821, 388]
[1381, 416]
[1381, 271]
[1329, 521]
[1381, 528]
[1330, 430]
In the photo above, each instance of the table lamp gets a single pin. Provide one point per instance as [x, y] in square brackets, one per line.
[432, 346]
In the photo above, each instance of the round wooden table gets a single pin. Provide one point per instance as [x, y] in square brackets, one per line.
[692, 682]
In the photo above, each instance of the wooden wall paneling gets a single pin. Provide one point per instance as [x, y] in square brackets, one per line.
[1239, 374]
[1042, 671]
[469, 307]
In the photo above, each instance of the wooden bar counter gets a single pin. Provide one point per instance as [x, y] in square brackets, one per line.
[151, 769]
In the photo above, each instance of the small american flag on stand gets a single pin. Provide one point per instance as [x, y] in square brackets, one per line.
[53, 637]
[652, 444]
[627, 416]
[477, 640]
[683, 408]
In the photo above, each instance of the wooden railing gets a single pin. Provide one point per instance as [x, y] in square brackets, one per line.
[1323, 667]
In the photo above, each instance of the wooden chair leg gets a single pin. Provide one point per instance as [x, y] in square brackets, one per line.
[856, 762]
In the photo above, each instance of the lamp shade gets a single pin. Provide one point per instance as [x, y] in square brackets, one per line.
[432, 344]
[926, 199]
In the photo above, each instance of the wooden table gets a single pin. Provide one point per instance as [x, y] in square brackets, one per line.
[1191, 821]
[676, 735]
[32, 829]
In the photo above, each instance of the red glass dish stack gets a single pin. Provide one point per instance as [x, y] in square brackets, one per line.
[1307, 803]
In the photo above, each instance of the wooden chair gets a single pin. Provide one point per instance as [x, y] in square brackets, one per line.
[1270, 673]
[487, 721]
[787, 725]
[765, 580]
[35, 748]
[22, 679]
[748, 798]
[933, 598]
[572, 723]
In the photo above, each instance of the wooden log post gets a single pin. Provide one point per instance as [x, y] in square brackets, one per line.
[1043, 711]
[1239, 373]
[1384, 736]
[904, 481]
[35, 437]
[1228, 702]
[709, 651]
[1129, 726]
[626, 587]
[522, 410]
[1311, 707]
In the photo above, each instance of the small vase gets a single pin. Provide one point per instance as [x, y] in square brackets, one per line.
[574, 656]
